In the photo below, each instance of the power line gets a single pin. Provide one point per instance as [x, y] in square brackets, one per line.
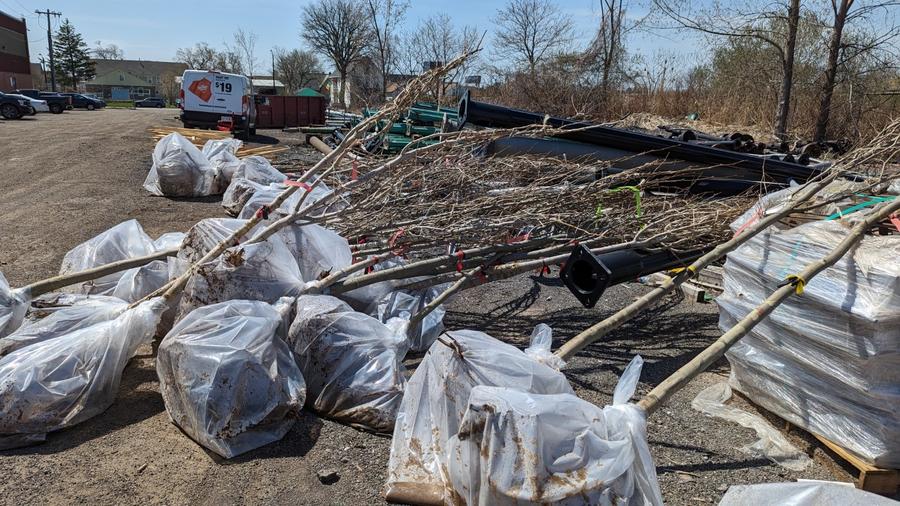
[48, 12]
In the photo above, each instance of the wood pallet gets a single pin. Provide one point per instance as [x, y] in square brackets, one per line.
[199, 137]
[869, 478]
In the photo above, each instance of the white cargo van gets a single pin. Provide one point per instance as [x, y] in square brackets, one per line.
[211, 99]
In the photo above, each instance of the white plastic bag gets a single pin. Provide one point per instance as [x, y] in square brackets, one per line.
[222, 156]
[265, 197]
[318, 251]
[540, 348]
[13, 306]
[437, 396]
[517, 448]
[238, 193]
[405, 304]
[366, 298]
[83, 313]
[227, 379]
[179, 169]
[352, 363]
[205, 235]
[63, 381]
[258, 169]
[264, 271]
[771, 443]
[123, 241]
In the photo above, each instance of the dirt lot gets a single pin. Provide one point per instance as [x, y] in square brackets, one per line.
[66, 178]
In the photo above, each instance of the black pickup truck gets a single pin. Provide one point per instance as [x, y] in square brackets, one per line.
[56, 102]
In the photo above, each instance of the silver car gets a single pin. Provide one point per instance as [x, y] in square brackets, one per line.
[36, 105]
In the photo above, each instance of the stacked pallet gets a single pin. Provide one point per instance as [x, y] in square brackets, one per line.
[199, 138]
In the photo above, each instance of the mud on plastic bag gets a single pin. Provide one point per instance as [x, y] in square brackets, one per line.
[352, 362]
[515, 447]
[228, 379]
[222, 157]
[264, 271]
[179, 169]
[436, 399]
[238, 193]
[59, 382]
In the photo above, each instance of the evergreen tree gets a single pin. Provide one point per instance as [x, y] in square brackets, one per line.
[72, 56]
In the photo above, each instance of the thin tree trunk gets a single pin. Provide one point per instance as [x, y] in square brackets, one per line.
[714, 352]
[834, 51]
[787, 79]
[343, 92]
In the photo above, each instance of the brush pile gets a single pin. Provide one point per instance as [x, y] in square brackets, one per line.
[324, 282]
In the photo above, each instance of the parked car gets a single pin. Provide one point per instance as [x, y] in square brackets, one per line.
[151, 102]
[12, 107]
[80, 101]
[35, 104]
[55, 101]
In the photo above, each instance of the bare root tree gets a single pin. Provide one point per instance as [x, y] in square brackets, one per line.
[385, 16]
[772, 24]
[529, 31]
[108, 52]
[339, 29]
[295, 68]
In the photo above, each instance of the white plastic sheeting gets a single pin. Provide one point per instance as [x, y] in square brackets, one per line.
[205, 235]
[367, 298]
[771, 443]
[352, 362]
[13, 306]
[540, 347]
[828, 360]
[406, 303]
[258, 169]
[81, 314]
[227, 379]
[516, 448]
[263, 271]
[437, 397]
[63, 381]
[802, 494]
[180, 169]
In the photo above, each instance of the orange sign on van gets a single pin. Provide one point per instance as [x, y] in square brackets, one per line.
[202, 88]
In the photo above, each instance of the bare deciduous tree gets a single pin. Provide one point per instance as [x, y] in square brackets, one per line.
[295, 67]
[385, 16]
[108, 52]
[840, 51]
[204, 57]
[436, 41]
[245, 47]
[340, 30]
[772, 23]
[606, 53]
[531, 30]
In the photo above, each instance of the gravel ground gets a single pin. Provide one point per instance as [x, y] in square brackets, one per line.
[66, 178]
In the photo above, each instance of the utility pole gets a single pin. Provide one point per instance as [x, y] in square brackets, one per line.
[274, 90]
[48, 12]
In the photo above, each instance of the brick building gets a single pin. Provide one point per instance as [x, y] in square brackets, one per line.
[15, 66]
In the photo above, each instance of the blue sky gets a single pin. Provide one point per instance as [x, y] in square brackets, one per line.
[155, 32]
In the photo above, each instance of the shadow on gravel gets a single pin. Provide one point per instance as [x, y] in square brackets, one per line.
[296, 443]
[714, 466]
[263, 139]
[131, 406]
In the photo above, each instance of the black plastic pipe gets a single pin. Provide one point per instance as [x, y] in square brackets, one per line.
[587, 275]
[744, 165]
